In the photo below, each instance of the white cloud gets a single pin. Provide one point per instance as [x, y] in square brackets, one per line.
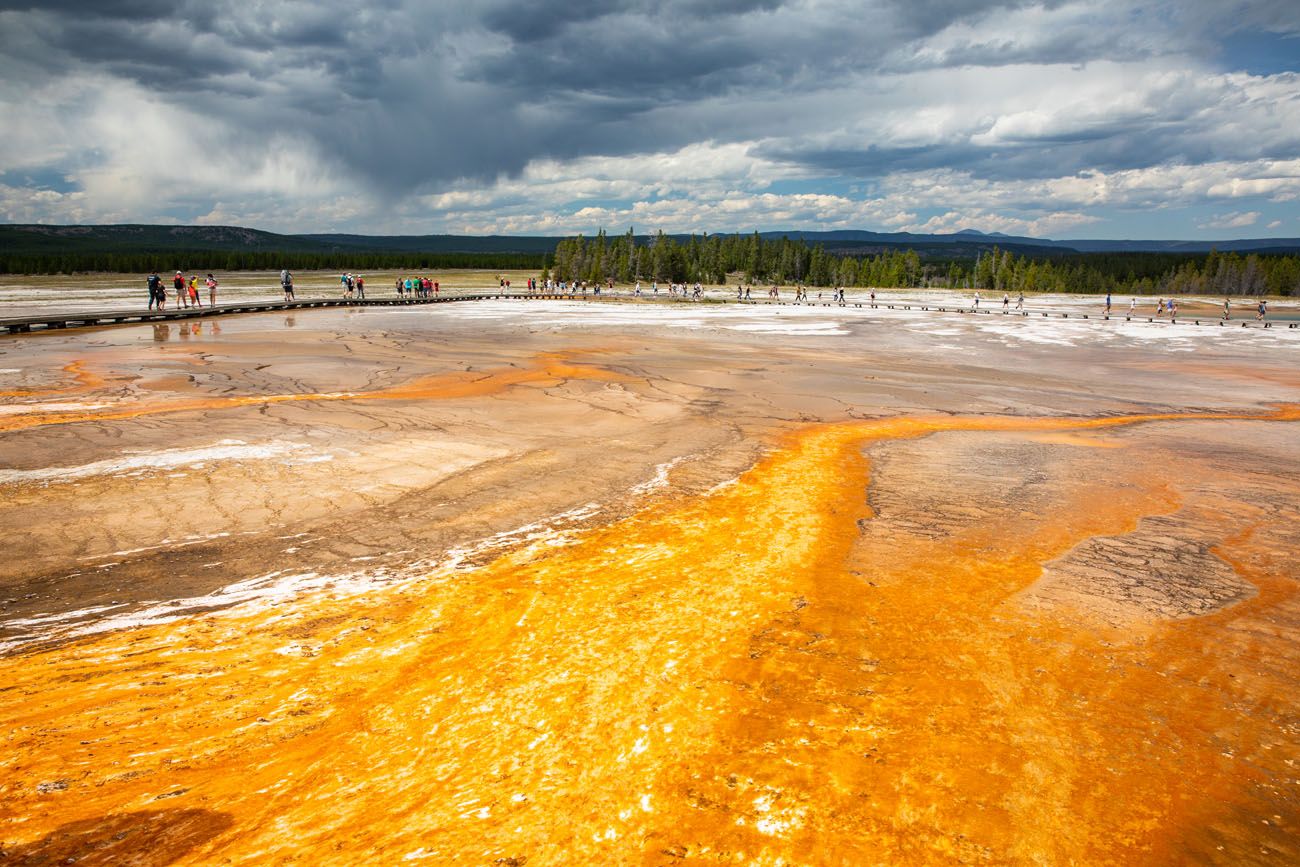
[1233, 220]
[1039, 227]
[1058, 115]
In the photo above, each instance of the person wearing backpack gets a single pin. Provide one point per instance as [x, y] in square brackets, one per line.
[286, 283]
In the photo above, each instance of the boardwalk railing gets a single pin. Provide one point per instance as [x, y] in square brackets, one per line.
[53, 321]
[83, 319]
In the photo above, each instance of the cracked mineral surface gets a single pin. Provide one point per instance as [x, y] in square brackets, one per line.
[504, 583]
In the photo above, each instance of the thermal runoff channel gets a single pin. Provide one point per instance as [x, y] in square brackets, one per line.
[511, 583]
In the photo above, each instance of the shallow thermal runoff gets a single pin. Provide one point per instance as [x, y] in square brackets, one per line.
[502, 584]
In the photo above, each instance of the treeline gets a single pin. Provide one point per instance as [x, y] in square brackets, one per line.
[1138, 274]
[715, 259]
[752, 259]
[143, 262]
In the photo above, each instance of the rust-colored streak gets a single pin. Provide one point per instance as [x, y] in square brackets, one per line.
[546, 369]
[83, 381]
[703, 681]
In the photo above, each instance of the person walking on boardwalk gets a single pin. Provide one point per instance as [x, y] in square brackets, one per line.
[976, 308]
[1108, 303]
[1173, 309]
[1020, 301]
[1262, 310]
[361, 287]
[155, 289]
[194, 291]
[178, 283]
[1006, 302]
[286, 283]
[1227, 309]
[1132, 307]
[212, 289]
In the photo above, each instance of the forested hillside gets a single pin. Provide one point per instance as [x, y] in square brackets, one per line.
[138, 249]
[712, 258]
[969, 260]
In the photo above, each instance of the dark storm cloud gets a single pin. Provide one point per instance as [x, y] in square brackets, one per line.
[104, 8]
[1107, 148]
[413, 94]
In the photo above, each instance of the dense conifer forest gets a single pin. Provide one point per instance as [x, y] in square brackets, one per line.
[751, 258]
[710, 259]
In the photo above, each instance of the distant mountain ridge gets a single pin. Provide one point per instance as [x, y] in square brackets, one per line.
[968, 236]
[967, 243]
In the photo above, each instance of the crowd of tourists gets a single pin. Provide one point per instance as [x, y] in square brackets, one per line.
[185, 291]
[416, 287]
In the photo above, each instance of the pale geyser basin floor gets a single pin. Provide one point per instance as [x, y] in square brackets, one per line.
[754, 597]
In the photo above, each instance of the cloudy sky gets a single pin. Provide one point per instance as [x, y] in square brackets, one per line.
[1088, 119]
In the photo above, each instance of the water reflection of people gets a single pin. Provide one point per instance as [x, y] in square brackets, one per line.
[196, 329]
[161, 332]
[290, 322]
[214, 328]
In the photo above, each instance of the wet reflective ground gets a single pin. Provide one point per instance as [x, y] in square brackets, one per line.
[633, 584]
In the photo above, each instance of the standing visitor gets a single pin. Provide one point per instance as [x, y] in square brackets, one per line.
[212, 289]
[1262, 310]
[361, 286]
[1107, 302]
[155, 289]
[1020, 301]
[194, 290]
[1006, 302]
[286, 283]
[178, 284]
[1227, 309]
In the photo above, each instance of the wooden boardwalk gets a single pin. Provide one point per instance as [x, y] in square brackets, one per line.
[87, 319]
[56, 321]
